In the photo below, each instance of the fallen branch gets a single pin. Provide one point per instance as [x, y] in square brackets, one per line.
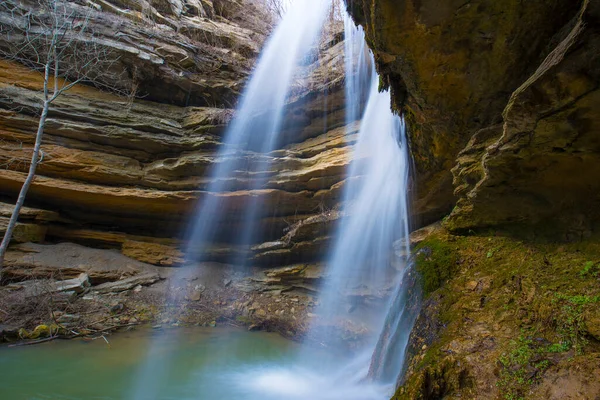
[69, 337]
[49, 339]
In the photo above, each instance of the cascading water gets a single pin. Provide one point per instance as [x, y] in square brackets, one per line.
[255, 127]
[251, 135]
[358, 69]
[366, 290]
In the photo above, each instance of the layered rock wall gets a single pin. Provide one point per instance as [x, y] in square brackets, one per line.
[129, 172]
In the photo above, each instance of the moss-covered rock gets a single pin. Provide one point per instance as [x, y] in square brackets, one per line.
[436, 381]
[436, 262]
[513, 320]
[41, 331]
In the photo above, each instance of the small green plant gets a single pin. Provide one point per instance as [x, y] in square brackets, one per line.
[590, 268]
[521, 368]
[558, 347]
[570, 324]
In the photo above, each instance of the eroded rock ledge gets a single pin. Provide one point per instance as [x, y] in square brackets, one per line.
[509, 86]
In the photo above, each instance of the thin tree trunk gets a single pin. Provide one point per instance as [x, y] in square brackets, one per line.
[23, 193]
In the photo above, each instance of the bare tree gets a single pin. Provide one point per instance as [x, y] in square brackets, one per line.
[274, 7]
[53, 37]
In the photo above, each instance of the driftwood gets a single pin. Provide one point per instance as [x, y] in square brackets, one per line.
[69, 337]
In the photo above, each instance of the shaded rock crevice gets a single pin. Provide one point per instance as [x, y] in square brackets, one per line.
[546, 155]
[453, 70]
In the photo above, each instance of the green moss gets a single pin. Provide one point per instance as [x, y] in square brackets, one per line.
[535, 301]
[436, 381]
[41, 331]
[569, 320]
[590, 269]
[436, 262]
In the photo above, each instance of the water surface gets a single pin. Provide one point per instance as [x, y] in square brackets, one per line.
[206, 364]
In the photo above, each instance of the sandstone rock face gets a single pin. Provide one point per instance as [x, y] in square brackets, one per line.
[541, 165]
[129, 173]
[516, 76]
[67, 261]
[178, 52]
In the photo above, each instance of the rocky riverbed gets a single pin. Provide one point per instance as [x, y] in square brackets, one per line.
[69, 290]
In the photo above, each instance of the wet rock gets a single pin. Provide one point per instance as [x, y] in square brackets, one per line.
[117, 308]
[8, 332]
[195, 296]
[63, 290]
[127, 283]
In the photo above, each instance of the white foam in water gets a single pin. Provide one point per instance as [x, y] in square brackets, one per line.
[302, 384]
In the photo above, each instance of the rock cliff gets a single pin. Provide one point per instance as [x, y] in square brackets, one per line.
[500, 99]
[500, 94]
[128, 172]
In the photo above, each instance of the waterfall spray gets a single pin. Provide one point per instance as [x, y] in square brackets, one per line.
[366, 289]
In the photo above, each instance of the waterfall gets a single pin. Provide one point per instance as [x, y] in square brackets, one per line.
[369, 278]
[251, 135]
[365, 292]
[254, 131]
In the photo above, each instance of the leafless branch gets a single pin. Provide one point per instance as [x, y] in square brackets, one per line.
[53, 37]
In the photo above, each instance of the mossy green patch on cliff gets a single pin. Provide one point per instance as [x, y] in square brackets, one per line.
[436, 261]
[435, 381]
[510, 315]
